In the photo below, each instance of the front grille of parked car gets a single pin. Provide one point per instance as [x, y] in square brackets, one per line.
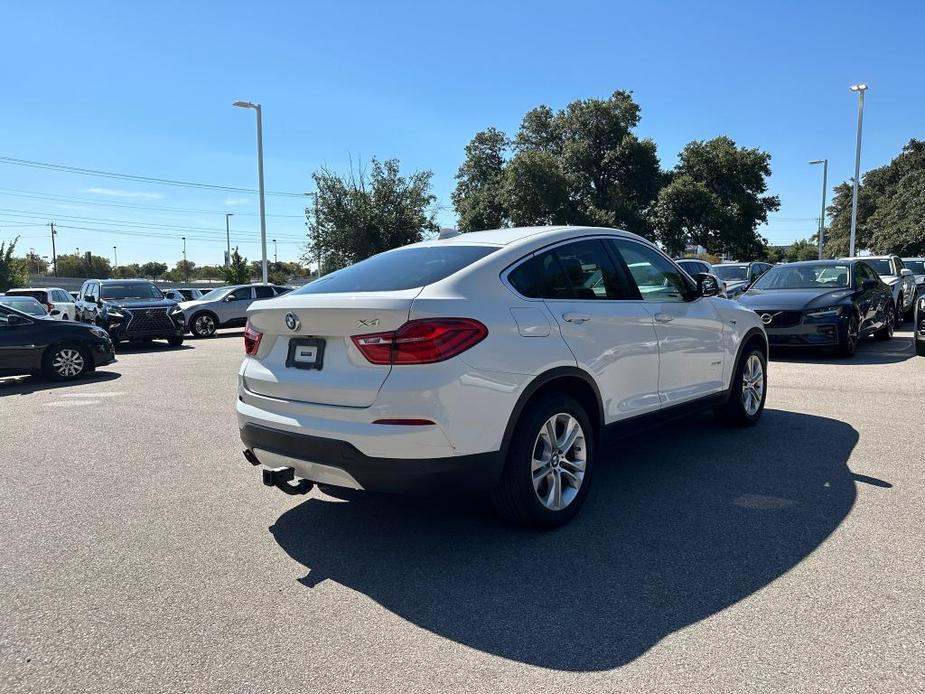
[149, 320]
[780, 319]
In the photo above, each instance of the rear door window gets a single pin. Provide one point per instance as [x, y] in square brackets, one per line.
[241, 293]
[655, 276]
[264, 292]
[403, 268]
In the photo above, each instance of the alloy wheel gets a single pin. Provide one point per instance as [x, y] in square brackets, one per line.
[559, 461]
[68, 362]
[204, 325]
[752, 385]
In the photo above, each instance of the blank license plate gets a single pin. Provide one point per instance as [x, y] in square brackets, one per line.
[305, 353]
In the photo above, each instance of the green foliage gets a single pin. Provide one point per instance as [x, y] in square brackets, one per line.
[130, 271]
[891, 208]
[12, 271]
[715, 199]
[183, 271]
[479, 194]
[154, 269]
[33, 263]
[74, 265]
[580, 165]
[360, 215]
[238, 272]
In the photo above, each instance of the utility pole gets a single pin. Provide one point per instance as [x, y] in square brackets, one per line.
[115, 258]
[860, 89]
[54, 255]
[825, 175]
[185, 264]
[228, 239]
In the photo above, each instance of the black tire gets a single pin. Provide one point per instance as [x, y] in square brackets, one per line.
[920, 347]
[517, 498]
[735, 412]
[175, 341]
[886, 332]
[900, 316]
[848, 340]
[66, 362]
[203, 324]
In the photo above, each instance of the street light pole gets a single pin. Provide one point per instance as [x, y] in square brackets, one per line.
[860, 89]
[275, 258]
[228, 239]
[54, 255]
[185, 264]
[825, 175]
[263, 217]
[115, 258]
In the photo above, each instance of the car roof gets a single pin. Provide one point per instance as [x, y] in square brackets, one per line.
[868, 257]
[824, 261]
[516, 236]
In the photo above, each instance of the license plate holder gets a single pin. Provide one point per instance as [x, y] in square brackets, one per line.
[305, 353]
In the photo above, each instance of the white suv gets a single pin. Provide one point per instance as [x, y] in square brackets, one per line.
[490, 360]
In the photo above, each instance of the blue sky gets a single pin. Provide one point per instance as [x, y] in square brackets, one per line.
[147, 89]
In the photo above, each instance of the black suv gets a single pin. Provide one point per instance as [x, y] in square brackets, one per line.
[134, 310]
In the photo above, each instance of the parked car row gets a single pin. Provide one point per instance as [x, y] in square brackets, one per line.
[131, 310]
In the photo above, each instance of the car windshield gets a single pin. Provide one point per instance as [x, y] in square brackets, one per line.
[881, 266]
[131, 290]
[917, 266]
[404, 268]
[26, 304]
[731, 272]
[804, 277]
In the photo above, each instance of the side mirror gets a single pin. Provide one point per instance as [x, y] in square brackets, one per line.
[905, 272]
[870, 283]
[55, 312]
[228, 298]
[707, 284]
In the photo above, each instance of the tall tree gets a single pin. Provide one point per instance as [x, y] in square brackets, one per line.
[716, 199]
[580, 165]
[154, 269]
[238, 271]
[128, 271]
[75, 265]
[891, 207]
[362, 213]
[12, 272]
[478, 197]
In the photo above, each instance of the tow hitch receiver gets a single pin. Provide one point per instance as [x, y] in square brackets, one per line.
[281, 477]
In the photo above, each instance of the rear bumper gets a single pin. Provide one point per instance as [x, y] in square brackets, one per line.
[338, 462]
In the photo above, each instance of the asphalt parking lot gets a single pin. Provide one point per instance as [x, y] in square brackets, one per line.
[139, 552]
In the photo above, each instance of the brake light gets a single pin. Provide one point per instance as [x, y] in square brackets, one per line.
[50, 306]
[424, 341]
[251, 340]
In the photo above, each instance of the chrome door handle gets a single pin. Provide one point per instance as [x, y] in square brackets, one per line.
[573, 317]
[664, 317]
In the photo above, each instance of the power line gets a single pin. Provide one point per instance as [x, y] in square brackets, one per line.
[13, 161]
[12, 192]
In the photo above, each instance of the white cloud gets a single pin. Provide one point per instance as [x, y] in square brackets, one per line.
[234, 202]
[124, 194]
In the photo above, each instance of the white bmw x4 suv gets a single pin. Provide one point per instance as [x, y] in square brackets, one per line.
[491, 360]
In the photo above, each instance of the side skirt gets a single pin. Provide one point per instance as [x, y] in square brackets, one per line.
[652, 420]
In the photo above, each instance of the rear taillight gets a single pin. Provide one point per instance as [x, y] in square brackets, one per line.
[422, 341]
[50, 306]
[251, 340]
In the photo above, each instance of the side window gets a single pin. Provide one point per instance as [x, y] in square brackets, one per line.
[654, 275]
[83, 291]
[281, 290]
[241, 293]
[541, 277]
[590, 271]
[93, 289]
[264, 292]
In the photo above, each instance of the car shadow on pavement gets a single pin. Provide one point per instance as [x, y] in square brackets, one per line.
[145, 347]
[870, 351]
[24, 385]
[682, 523]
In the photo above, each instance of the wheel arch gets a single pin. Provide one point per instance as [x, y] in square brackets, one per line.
[570, 380]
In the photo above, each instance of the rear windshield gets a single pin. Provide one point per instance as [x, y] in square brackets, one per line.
[26, 304]
[404, 268]
[731, 272]
[34, 293]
